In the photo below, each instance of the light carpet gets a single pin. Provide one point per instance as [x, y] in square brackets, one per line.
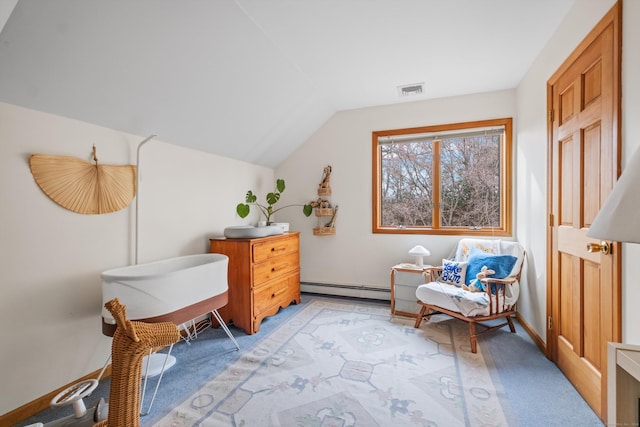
[352, 364]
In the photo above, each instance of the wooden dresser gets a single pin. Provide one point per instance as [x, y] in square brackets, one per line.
[264, 275]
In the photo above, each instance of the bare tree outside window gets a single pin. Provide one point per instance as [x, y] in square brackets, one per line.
[449, 179]
[470, 181]
[407, 180]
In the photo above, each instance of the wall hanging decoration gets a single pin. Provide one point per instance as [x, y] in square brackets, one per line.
[323, 208]
[84, 187]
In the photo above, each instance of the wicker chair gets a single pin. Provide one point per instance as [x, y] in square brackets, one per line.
[496, 301]
[131, 342]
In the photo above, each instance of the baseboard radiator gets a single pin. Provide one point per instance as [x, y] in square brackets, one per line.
[355, 291]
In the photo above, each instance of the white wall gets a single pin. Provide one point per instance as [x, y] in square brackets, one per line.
[50, 297]
[187, 195]
[355, 256]
[631, 143]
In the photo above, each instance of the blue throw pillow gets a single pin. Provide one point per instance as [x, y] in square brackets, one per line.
[501, 264]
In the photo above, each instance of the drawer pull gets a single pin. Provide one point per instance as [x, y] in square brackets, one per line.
[278, 292]
[278, 267]
[278, 249]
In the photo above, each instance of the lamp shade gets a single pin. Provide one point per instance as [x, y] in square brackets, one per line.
[419, 252]
[618, 219]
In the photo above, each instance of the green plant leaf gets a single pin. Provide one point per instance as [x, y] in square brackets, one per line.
[242, 210]
[250, 198]
[272, 198]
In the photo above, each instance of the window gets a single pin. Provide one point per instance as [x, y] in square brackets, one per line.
[445, 179]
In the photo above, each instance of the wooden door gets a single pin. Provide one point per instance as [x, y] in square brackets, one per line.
[584, 288]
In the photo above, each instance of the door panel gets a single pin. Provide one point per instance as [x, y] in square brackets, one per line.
[592, 78]
[566, 183]
[592, 320]
[565, 324]
[584, 288]
[592, 148]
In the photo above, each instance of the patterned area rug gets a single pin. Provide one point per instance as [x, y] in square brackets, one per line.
[338, 364]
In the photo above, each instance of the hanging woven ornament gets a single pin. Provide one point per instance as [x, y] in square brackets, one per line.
[84, 187]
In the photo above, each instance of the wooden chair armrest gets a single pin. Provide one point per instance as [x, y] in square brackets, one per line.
[508, 281]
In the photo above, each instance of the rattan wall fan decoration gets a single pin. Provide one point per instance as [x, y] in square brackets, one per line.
[84, 187]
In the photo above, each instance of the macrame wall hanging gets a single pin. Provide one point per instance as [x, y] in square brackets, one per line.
[84, 187]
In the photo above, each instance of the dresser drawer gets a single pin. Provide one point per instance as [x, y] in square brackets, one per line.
[279, 292]
[273, 248]
[275, 267]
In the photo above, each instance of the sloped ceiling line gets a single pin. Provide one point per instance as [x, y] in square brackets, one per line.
[241, 78]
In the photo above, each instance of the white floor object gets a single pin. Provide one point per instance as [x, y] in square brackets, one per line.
[155, 362]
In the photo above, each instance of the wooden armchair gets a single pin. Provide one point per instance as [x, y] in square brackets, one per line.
[451, 288]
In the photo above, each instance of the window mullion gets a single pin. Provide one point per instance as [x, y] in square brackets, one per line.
[435, 217]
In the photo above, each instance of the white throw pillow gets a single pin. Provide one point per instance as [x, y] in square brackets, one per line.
[453, 272]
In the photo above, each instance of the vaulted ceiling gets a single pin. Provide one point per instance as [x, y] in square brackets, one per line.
[253, 79]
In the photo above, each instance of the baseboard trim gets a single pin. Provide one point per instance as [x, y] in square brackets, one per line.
[532, 333]
[43, 402]
[354, 291]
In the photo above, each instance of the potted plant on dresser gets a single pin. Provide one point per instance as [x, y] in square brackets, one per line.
[268, 209]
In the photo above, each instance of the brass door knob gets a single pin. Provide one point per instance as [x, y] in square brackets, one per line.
[602, 247]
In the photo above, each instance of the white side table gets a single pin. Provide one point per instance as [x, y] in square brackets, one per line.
[405, 278]
[623, 378]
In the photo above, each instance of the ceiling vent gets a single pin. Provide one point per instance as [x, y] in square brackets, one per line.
[412, 89]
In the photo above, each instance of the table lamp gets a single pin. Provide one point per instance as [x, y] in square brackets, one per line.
[419, 252]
